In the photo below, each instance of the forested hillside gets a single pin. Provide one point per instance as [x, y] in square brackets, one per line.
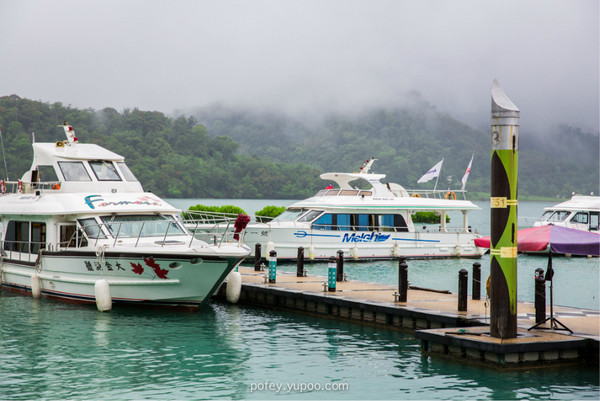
[226, 153]
[171, 157]
[408, 141]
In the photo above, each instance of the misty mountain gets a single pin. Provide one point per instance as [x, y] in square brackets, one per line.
[224, 152]
[409, 140]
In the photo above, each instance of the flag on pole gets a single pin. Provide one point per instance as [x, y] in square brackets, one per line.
[432, 173]
[466, 176]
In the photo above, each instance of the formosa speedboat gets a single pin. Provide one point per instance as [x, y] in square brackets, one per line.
[581, 212]
[79, 218]
[373, 223]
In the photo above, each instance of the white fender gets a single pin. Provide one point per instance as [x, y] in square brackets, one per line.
[234, 287]
[102, 292]
[270, 247]
[355, 253]
[396, 251]
[36, 287]
[311, 252]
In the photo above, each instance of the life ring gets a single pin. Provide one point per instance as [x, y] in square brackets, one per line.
[56, 186]
[449, 195]
[415, 196]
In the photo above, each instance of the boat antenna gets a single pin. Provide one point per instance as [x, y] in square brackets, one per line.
[3, 155]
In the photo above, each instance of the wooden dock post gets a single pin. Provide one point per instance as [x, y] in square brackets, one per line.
[257, 257]
[340, 265]
[300, 272]
[463, 276]
[476, 293]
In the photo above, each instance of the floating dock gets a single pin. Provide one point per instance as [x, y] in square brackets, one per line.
[433, 316]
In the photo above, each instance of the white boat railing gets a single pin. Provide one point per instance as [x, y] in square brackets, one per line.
[450, 194]
[15, 187]
[164, 233]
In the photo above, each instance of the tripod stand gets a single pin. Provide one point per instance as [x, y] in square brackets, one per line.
[554, 323]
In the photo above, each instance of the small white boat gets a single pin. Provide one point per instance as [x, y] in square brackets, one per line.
[373, 223]
[78, 226]
[581, 212]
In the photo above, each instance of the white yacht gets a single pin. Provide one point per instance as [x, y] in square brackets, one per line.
[79, 218]
[581, 212]
[373, 223]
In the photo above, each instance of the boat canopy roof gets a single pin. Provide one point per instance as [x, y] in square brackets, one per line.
[48, 153]
[344, 180]
[578, 202]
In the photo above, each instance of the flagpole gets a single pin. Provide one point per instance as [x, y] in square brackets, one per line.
[3, 155]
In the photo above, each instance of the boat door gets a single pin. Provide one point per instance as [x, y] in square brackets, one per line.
[68, 236]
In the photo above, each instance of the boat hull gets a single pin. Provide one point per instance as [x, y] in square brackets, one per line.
[164, 279]
[321, 245]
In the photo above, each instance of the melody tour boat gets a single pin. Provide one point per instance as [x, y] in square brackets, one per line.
[373, 223]
[78, 226]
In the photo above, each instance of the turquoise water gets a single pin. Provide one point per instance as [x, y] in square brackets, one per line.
[54, 351]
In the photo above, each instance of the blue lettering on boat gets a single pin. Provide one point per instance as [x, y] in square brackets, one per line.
[365, 237]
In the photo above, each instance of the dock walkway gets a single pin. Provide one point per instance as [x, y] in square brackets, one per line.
[434, 315]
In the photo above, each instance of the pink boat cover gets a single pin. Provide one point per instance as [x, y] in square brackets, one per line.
[561, 240]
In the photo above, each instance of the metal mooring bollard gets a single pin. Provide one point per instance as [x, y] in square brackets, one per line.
[331, 277]
[257, 257]
[476, 281]
[402, 280]
[463, 276]
[272, 266]
[300, 262]
[540, 296]
[340, 265]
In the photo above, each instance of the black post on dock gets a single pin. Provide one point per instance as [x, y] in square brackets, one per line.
[476, 281]
[340, 266]
[463, 276]
[540, 296]
[402, 280]
[257, 257]
[300, 262]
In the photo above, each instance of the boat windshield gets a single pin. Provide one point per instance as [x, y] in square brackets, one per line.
[289, 215]
[142, 225]
[559, 215]
[310, 216]
[105, 170]
[129, 176]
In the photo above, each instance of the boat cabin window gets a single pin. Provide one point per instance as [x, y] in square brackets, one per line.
[129, 176]
[594, 221]
[133, 226]
[74, 171]
[70, 236]
[25, 236]
[347, 222]
[105, 170]
[326, 222]
[310, 216]
[91, 228]
[47, 174]
[393, 222]
[290, 215]
[559, 215]
[580, 217]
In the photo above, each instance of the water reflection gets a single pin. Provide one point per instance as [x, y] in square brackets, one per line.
[50, 350]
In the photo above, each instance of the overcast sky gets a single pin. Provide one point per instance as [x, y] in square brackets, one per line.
[307, 56]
